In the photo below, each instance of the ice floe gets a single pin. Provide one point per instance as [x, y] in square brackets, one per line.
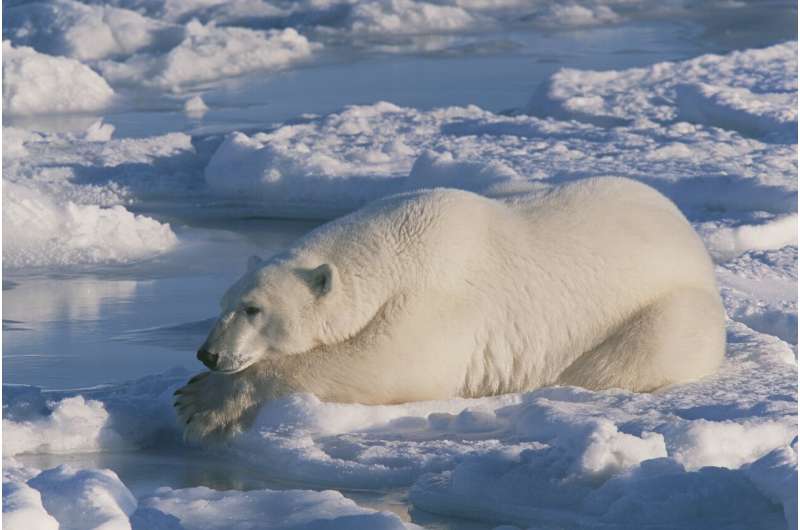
[206, 509]
[40, 230]
[752, 91]
[556, 455]
[347, 158]
[85, 32]
[53, 217]
[36, 83]
[209, 53]
[716, 133]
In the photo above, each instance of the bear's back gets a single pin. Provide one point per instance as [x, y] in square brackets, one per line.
[625, 232]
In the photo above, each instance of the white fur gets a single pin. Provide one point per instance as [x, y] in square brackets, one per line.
[441, 293]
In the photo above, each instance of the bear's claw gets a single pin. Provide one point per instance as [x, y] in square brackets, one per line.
[213, 407]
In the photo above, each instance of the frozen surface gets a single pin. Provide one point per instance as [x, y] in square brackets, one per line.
[748, 91]
[213, 53]
[122, 230]
[85, 499]
[36, 83]
[557, 456]
[205, 509]
[84, 32]
[347, 158]
[40, 230]
[22, 508]
[51, 220]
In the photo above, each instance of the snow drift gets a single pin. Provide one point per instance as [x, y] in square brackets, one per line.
[52, 217]
[35, 83]
[716, 134]
[750, 91]
[209, 53]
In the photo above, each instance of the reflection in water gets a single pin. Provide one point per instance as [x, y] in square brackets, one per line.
[145, 471]
[76, 299]
[69, 331]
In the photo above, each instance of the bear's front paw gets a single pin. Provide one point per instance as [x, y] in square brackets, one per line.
[214, 406]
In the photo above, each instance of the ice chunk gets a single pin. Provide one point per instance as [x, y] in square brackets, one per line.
[23, 510]
[725, 242]
[205, 509]
[729, 444]
[85, 499]
[759, 289]
[40, 231]
[195, 107]
[409, 16]
[85, 32]
[748, 91]
[35, 83]
[99, 132]
[210, 53]
[74, 425]
[347, 158]
[574, 15]
[775, 474]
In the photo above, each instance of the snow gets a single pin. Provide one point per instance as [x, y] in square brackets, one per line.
[561, 456]
[99, 132]
[86, 233]
[348, 158]
[22, 508]
[728, 242]
[148, 43]
[727, 444]
[73, 425]
[195, 107]
[715, 133]
[556, 455]
[43, 196]
[35, 83]
[409, 16]
[208, 53]
[775, 475]
[574, 15]
[85, 499]
[67, 498]
[205, 509]
[751, 91]
[84, 32]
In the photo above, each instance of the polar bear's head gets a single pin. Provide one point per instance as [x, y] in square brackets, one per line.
[346, 278]
[277, 308]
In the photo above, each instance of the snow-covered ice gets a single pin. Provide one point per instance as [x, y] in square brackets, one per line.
[85, 498]
[208, 53]
[84, 32]
[51, 220]
[560, 456]
[41, 231]
[22, 508]
[36, 83]
[747, 91]
[195, 107]
[717, 133]
[205, 509]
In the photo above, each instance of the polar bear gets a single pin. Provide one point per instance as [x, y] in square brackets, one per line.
[441, 293]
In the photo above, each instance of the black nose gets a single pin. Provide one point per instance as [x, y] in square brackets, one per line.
[207, 358]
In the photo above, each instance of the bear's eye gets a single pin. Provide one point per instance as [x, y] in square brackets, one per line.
[252, 310]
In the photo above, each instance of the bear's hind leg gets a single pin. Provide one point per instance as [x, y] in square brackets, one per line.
[679, 338]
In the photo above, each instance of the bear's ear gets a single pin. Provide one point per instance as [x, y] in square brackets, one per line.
[321, 279]
[253, 262]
